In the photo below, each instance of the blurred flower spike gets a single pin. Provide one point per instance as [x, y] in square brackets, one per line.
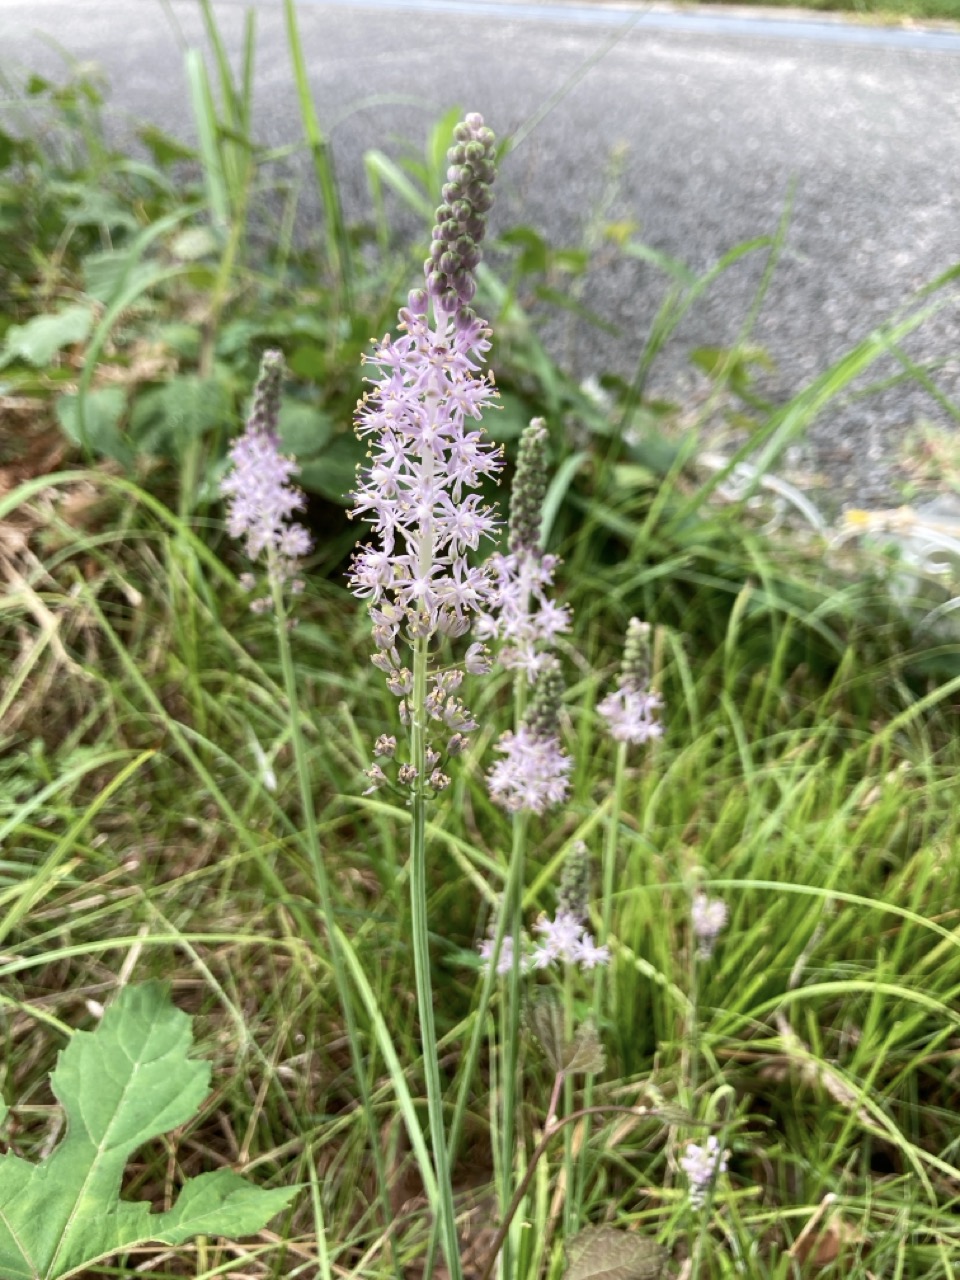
[261, 498]
[703, 1165]
[631, 711]
[709, 918]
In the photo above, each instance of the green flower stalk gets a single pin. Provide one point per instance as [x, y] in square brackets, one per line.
[428, 457]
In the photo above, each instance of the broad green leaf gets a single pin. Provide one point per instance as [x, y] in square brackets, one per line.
[128, 1081]
[609, 1253]
[103, 410]
[333, 474]
[166, 418]
[107, 272]
[303, 429]
[39, 340]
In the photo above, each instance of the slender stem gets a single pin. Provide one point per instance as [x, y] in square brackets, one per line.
[446, 1211]
[322, 883]
[569, 1199]
[609, 875]
[604, 981]
[511, 893]
[510, 1037]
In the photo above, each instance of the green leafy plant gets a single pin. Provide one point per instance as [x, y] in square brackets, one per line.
[128, 1081]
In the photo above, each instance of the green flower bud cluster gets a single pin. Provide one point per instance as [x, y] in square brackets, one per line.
[574, 893]
[635, 670]
[460, 226]
[543, 714]
[529, 489]
[265, 414]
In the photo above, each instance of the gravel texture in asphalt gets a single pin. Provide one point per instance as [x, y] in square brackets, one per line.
[697, 134]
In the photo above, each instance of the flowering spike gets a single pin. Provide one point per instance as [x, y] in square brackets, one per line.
[428, 456]
[522, 616]
[533, 773]
[631, 709]
[708, 917]
[703, 1165]
[261, 497]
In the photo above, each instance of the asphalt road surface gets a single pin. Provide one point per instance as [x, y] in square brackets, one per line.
[695, 126]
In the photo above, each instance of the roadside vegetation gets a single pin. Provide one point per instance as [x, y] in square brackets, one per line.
[693, 994]
[894, 11]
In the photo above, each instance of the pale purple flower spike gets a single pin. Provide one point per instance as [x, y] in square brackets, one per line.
[631, 710]
[262, 499]
[629, 714]
[423, 460]
[703, 1165]
[533, 773]
[427, 452]
[566, 941]
[505, 959]
[521, 615]
[709, 918]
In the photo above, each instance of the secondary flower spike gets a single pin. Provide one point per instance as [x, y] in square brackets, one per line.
[521, 616]
[703, 1165]
[533, 773]
[565, 938]
[631, 710]
[428, 454]
[262, 499]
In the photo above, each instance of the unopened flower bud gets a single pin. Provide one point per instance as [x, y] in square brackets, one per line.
[400, 682]
[574, 892]
[377, 779]
[385, 745]
[439, 781]
[636, 654]
[388, 662]
[543, 715]
[459, 220]
[406, 774]
[529, 489]
[456, 745]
